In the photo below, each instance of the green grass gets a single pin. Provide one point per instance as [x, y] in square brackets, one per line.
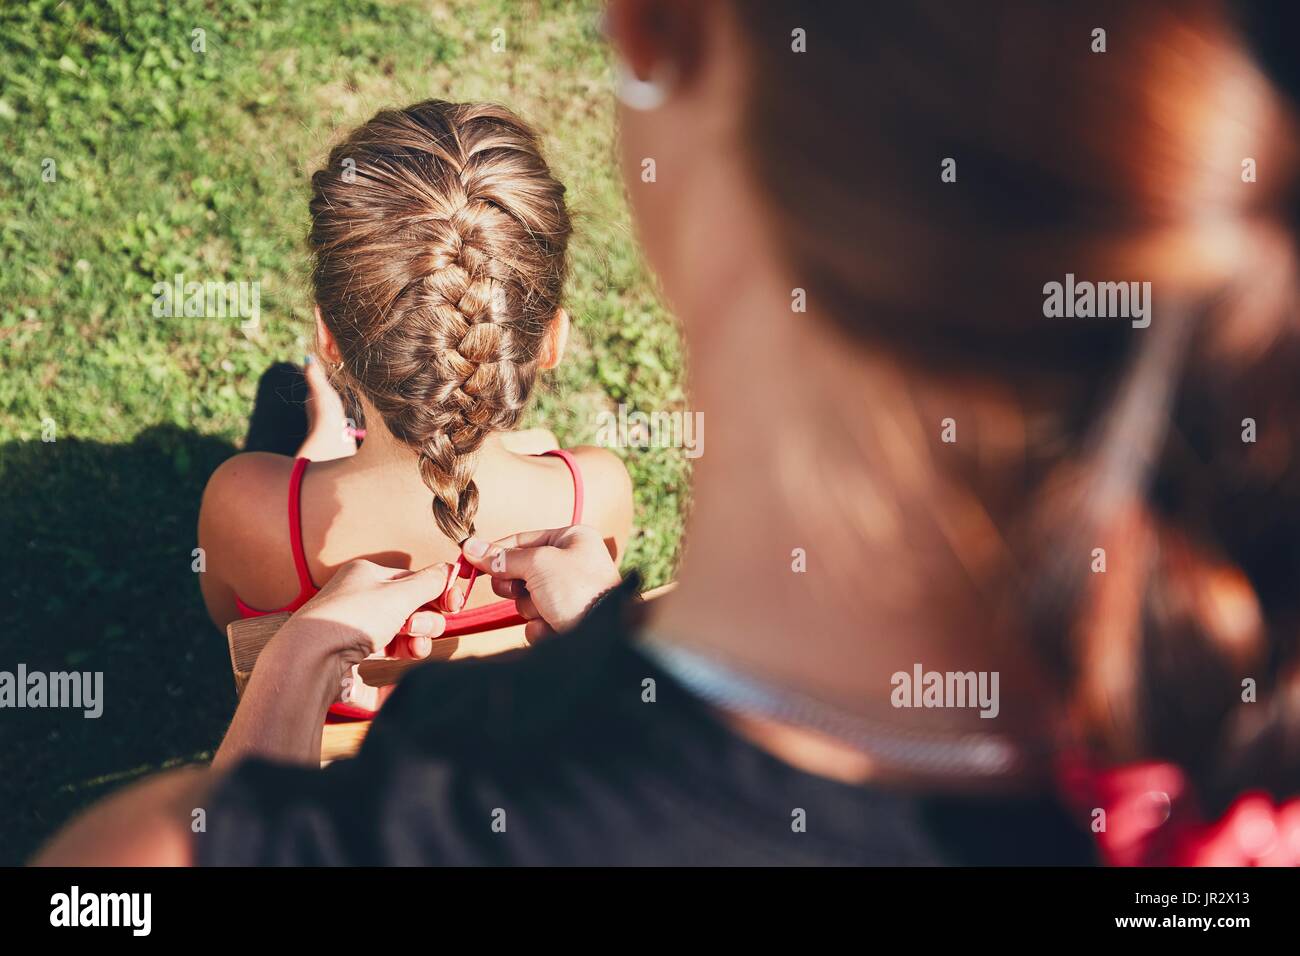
[172, 161]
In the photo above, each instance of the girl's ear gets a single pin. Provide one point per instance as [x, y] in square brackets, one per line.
[556, 338]
[325, 343]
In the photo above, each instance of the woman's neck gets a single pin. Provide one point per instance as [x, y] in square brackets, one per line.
[380, 448]
[819, 554]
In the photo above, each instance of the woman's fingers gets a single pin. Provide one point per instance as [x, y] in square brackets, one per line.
[427, 624]
[419, 647]
[513, 589]
[511, 556]
[535, 631]
[415, 640]
[524, 539]
[508, 588]
[406, 648]
[553, 574]
[431, 581]
[453, 599]
[380, 609]
[427, 586]
[526, 608]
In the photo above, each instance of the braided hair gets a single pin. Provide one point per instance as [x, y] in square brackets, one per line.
[438, 236]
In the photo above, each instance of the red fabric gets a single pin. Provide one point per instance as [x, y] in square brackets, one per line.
[472, 621]
[1152, 818]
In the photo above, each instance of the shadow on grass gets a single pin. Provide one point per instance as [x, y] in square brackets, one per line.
[97, 542]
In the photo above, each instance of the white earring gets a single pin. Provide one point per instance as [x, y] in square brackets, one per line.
[644, 95]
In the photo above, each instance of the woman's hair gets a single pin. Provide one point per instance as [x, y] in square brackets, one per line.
[1157, 150]
[438, 236]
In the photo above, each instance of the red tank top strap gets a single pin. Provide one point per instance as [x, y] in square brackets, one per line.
[305, 583]
[576, 472]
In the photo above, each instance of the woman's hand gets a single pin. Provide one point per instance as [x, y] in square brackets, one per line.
[314, 656]
[552, 576]
[364, 604]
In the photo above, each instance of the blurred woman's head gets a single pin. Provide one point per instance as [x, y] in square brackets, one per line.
[923, 172]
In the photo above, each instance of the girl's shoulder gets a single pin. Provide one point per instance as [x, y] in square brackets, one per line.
[607, 492]
[244, 480]
[244, 505]
[602, 468]
[244, 534]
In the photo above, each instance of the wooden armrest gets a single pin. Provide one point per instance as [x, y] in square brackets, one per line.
[342, 740]
[246, 638]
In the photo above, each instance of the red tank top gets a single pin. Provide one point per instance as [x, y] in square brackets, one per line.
[486, 618]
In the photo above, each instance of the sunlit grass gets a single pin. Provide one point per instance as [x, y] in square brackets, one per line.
[168, 160]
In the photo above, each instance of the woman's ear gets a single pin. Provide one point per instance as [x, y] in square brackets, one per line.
[325, 343]
[557, 337]
[653, 34]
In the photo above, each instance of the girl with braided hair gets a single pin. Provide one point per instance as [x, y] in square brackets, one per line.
[439, 238]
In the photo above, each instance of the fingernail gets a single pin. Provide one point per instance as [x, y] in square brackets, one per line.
[420, 625]
[474, 547]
